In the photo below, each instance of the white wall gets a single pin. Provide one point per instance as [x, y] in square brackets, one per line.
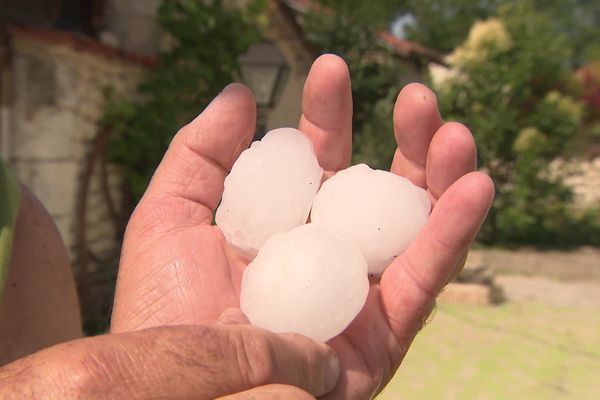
[58, 98]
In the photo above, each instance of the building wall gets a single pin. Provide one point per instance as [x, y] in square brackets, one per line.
[131, 25]
[288, 109]
[57, 97]
[585, 182]
[57, 100]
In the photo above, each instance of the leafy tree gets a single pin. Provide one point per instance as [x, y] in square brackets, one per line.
[366, 14]
[207, 39]
[350, 30]
[508, 84]
[443, 25]
[579, 20]
[589, 79]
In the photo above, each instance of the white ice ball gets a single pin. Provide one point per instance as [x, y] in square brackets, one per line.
[270, 189]
[308, 281]
[380, 211]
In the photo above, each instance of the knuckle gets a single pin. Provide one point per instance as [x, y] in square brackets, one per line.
[180, 136]
[255, 358]
[307, 362]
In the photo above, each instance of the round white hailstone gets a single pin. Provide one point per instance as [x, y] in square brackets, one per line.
[308, 281]
[270, 189]
[381, 211]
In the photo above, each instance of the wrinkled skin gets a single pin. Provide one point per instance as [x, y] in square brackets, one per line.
[177, 269]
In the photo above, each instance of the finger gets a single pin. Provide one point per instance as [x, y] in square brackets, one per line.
[327, 112]
[410, 285]
[368, 351]
[271, 392]
[459, 267]
[179, 362]
[452, 154]
[233, 316]
[200, 155]
[416, 119]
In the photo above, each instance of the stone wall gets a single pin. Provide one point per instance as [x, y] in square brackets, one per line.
[585, 182]
[57, 98]
[582, 264]
[131, 25]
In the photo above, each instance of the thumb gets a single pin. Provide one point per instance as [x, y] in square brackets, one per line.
[175, 362]
[200, 155]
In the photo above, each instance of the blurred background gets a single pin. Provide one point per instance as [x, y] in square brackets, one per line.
[91, 92]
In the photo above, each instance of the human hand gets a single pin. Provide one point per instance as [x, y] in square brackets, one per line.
[177, 269]
[176, 362]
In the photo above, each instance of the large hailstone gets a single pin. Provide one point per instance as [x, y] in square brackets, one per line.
[308, 281]
[380, 211]
[270, 189]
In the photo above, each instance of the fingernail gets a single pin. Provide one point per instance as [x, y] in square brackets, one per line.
[229, 87]
[333, 372]
[225, 89]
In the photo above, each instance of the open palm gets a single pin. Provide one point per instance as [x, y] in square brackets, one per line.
[176, 267]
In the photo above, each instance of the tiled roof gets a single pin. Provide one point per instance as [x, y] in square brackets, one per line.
[78, 42]
[402, 47]
[408, 48]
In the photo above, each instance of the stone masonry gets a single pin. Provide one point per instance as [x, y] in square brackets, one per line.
[57, 99]
[585, 182]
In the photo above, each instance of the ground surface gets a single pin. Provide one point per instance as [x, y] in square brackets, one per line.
[543, 344]
[551, 292]
[580, 264]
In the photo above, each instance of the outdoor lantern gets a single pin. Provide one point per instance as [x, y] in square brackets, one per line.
[264, 70]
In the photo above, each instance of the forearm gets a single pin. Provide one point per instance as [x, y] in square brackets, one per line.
[39, 305]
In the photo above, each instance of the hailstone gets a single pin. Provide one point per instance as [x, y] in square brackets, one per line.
[308, 281]
[270, 189]
[378, 210]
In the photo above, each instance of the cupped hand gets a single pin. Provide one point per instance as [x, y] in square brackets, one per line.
[176, 267]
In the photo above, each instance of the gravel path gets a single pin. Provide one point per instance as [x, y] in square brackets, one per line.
[549, 291]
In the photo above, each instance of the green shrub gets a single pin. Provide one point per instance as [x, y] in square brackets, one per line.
[206, 40]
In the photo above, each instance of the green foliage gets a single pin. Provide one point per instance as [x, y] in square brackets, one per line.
[443, 25]
[376, 144]
[588, 79]
[510, 92]
[579, 20]
[510, 83]
[206, 39]
[367, 14]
